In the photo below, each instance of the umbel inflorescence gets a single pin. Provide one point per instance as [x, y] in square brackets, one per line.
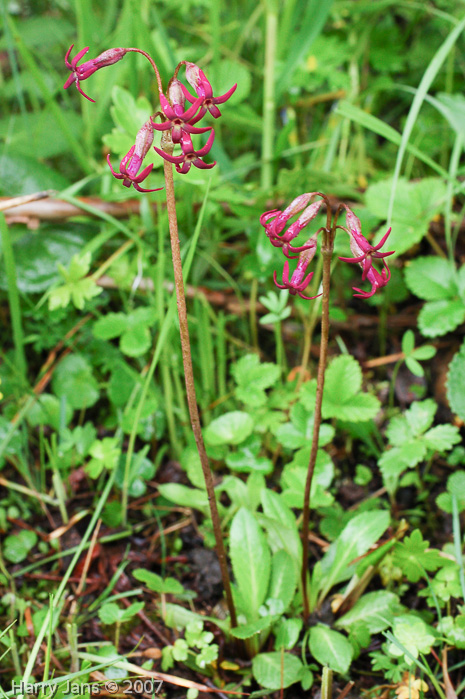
[177, 123]
[275, 222]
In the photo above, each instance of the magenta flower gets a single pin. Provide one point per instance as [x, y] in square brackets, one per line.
[298, 281]
[364, 254]
[132, 161]
[179, 119]
[189, 155]
[274, 228]
[198, 80]
[84, 71]
[377, 280]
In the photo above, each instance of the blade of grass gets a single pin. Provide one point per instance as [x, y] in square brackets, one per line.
[13, 299]
[458, 541]
[269, 104]
[368, 121]
[425, 83]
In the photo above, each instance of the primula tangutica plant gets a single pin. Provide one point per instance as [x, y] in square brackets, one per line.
[177, 125]
[275, 222]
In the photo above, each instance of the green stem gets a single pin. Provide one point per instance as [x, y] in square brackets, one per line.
[269, 106]
[190, 386]
[13, 298]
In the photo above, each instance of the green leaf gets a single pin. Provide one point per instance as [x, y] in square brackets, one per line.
[413, 557]
[408, 342]
[230, 428]
[251, 562]
[424, 352]
[26, 174]
[287, 633]
[184, 496]
[455, 486]
[420, 416]
[73, 379]
[157, 584]
[135, 341]
[440, 317]
[283, 578]
[330, 648]
[414, 366]
[110, 326]
[413, 635]
[442, 437]
[355, 540]
[431, 278]
[17, 546]
[375, 610]
[456, 382]
[341, 397]
[276, 670]
[416, 205]
[253, 629]
[37, 256]
[253, 378]
[78, 288]
[46, 411]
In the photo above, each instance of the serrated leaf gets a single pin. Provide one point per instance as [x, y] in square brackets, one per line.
[431, 278]
[442, 437]
[253, 378]
[440, 317]
[456, 383]
[416, 205]
[276, 670]
[413, 557]
[420, 415]
[330, 648]
[251, 562]
[248, 630]
[230, 428]
[341, 398]
[343, 378]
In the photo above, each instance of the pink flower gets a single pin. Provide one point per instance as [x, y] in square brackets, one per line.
[197, 78]
[179, 119]
[377, 279]
[132, 161]
[298, 281]
[364, 253]
[280, 220]
[189, 155]
[84, 71]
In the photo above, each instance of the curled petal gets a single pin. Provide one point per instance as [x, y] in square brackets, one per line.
[203, 166]
[203, 151]
[175, 159]
[115, 174]
[226, 96]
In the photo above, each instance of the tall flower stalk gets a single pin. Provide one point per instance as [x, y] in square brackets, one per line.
[275, 222]
[177, 124]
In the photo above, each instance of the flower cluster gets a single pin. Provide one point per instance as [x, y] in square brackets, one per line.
[181, 121]
[177, 122]
[275, 222]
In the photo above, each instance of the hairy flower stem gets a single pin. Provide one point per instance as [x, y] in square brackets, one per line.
[327, 253]
[190, 387]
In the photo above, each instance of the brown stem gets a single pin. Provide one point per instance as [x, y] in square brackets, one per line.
[190, 387]
[152, 63]
[327, 253]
